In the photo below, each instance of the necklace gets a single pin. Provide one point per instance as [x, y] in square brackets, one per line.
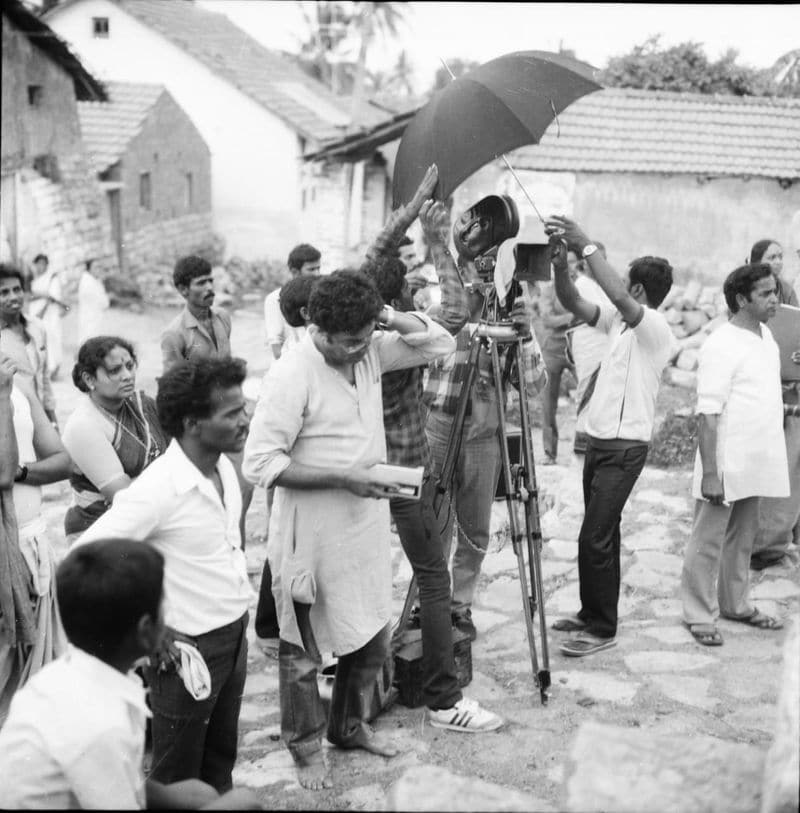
[151, 448]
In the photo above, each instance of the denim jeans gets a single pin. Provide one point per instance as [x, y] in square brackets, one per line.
[197, 739]
[470, 501]
[303, 719]
[608, 478]
[419, 536]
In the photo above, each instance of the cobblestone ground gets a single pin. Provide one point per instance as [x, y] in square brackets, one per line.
[656, 678]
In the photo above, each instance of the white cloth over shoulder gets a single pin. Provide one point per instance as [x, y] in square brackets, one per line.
[738, 378]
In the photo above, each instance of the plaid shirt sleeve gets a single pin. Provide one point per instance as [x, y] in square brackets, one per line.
[453, 311]
[389, 236]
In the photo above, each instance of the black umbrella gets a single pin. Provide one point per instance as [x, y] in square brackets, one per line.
[497, 107]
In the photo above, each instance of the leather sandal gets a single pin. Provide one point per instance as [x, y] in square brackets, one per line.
[706, 634]
[760, 620]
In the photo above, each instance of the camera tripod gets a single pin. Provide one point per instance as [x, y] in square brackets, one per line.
[519, 480]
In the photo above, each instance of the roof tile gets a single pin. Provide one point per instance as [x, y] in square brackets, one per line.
[108, 127]
[627, 130]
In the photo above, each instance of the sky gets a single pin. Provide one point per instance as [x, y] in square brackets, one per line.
[594, 31]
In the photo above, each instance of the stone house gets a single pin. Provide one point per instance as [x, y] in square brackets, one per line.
[258, 112]
[51, 202]
[155, 169]
[694, 178]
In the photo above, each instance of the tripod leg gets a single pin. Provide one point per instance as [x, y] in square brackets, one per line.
[533, 524]
[516, 534]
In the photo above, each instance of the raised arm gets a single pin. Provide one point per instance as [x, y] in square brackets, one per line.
[607, 278]
[453, 312]
[565, 289]
[400, 219]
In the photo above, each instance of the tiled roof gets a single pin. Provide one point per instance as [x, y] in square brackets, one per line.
[271, 79]
[626, 130]
[108, 127]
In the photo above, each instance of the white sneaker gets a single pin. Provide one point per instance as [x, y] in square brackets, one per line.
[467, 716]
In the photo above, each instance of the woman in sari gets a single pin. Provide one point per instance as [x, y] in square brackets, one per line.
[112, 434]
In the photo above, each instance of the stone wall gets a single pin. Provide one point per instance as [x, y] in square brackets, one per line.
[68, 221]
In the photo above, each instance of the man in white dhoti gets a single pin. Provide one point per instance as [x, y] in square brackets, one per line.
[316, 432]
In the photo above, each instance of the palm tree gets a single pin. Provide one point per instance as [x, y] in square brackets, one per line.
[372, 19]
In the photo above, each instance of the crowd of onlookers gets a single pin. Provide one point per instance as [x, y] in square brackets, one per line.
[367, 370]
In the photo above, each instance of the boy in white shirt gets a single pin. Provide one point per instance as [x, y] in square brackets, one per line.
[74, 738]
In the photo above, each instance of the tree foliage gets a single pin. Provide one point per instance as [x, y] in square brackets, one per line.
[337, 37]
[686, 68]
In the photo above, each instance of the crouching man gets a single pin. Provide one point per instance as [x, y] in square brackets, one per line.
[316, 432]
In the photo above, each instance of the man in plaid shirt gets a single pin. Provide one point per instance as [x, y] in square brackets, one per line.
[470, 496]
[406, 443]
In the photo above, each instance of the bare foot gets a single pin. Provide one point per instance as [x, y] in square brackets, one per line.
[367, 739]
[313, 773]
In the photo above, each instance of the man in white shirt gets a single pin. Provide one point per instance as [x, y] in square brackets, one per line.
[187, 505]
[620, 418]
[75, 736]
[741, 456]
[304, 260]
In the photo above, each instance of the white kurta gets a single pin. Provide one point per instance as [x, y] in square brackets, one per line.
[738, 378]
[329, 546]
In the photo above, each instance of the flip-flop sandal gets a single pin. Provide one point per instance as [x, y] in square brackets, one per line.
[706, 635]
[760, 620]
[570, 624]
[578, 647]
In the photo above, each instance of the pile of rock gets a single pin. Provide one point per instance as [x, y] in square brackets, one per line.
[693, 311]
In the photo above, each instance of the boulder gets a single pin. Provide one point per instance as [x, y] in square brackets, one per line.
[782, 767]
[629, 770]
[691, 295]
[675, 293]
[437, 789]
[693, 320]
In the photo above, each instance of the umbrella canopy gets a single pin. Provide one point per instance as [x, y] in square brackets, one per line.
[497, 107]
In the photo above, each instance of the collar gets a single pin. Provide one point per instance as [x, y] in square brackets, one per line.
[185, 475]
[100, 675]
[190, 320]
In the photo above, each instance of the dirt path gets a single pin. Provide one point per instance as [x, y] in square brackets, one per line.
[656, 678]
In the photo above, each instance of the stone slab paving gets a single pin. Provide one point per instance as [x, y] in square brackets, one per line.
[657, 682]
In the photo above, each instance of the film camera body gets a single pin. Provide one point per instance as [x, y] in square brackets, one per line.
[480, 230]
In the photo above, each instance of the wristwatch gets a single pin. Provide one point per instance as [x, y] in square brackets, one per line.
[588, 250]
[389, 316]
[22, 474]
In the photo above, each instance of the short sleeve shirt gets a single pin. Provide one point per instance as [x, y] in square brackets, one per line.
[624, 402]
